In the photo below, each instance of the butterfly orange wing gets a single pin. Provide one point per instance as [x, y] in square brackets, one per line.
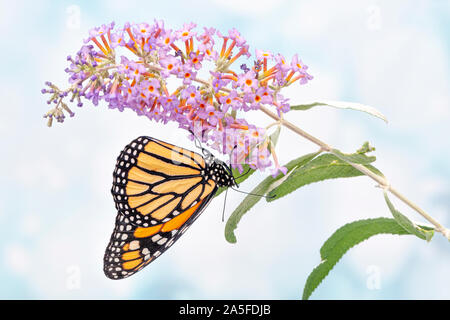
[159, 190]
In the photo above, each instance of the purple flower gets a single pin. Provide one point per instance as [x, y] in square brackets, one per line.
[211, 115]
[185, 33]
[191, 95]
[170, 65]
[266, 95]
[142, 30]
[117, 39]
[186, 74]
[236, 36]
[99, 31]
[195, 60]
[136, 70]
[248, 81]
[260, 159]
[167, 38]
[124, 66]
[282, 104]
[207, 37]
[306, 77]
[230, 100]
[297, 64]
[261, 55]
[150, 87]
[218, 81]
[276, 171]
[281, 63]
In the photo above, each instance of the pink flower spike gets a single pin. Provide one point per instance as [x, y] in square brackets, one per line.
[185, 76]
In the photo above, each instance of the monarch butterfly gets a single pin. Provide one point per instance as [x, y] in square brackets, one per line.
[159, 190]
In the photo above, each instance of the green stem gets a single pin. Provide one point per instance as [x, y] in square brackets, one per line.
[382, 181]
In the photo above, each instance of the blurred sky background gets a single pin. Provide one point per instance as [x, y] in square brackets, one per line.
[57, 213]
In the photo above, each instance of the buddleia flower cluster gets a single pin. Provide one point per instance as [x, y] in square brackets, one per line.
[206, 81]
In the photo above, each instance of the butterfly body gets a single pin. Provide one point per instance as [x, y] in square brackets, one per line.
[218, 171]
[159, 191]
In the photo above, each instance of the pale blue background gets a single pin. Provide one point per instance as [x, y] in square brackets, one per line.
[56, 211]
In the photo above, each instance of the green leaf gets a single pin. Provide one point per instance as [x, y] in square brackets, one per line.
[261, 189]
[366, 147]
[304, 107]
[357, 157]
[342, 240]
[342, 105]
[326, 166]
[424, 233]
[274, 137]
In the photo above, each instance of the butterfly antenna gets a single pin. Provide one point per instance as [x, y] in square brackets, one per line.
[253, 194]
[224, 203]
[244, 174]
[198, 143]
[231, 153]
